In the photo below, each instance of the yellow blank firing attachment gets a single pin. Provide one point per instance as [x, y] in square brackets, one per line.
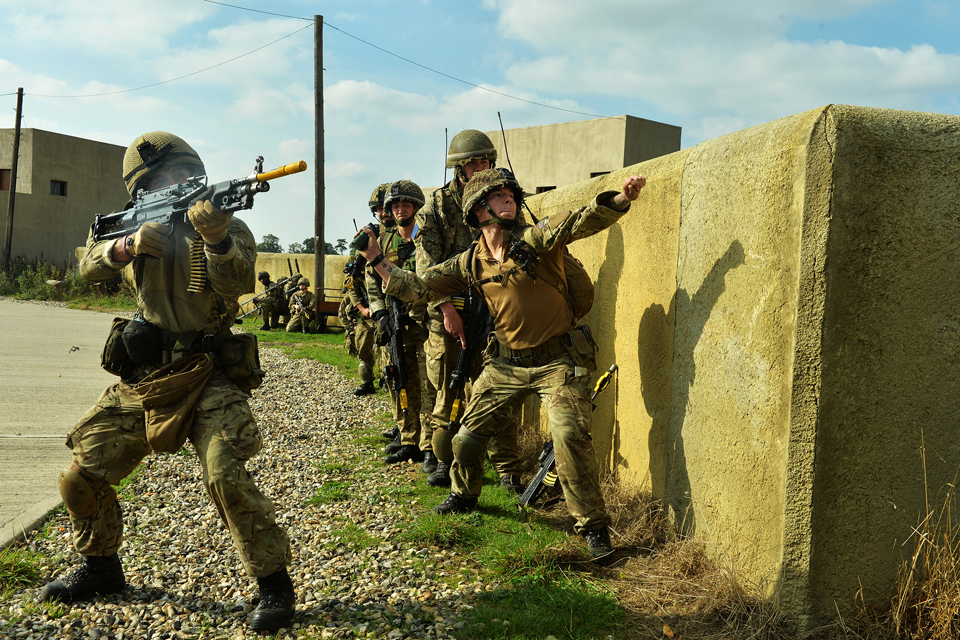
[286, 170]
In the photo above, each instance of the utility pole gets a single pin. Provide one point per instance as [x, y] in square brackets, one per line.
[319, 245]
[8, 237]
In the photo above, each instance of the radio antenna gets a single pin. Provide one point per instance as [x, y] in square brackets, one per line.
[444, 156]
[506, 152]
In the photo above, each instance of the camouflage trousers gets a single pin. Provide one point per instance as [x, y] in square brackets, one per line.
[110, 441]
[410, 426]
[299, 322]
[364, 337]
[499, 394]
[270, 313]
[442, 351]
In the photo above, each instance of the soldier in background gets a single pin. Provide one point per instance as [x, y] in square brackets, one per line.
[111, 439]
[402, 200]
[302, 309]
[537, 347]
[445, 233]
[270, 303]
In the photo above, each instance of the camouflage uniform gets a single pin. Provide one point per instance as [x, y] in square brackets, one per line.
[110, 440]
[414, 335]
[300, 320]
[363, 331]
[270, 305]
[443, 234]
[536, 350]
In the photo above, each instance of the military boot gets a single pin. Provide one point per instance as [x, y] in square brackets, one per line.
[364, 390]
[392, 434]
[277, 602]
[265, 327]
[511, 482]
[598, 542]
[394, 446]
[406, 452]
[455, 504]
[95, 575]
[429, 462]
[440, 477]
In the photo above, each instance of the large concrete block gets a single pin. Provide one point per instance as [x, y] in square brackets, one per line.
[782, 303]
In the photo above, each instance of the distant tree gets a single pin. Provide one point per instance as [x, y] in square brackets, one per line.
[270, 244]
[309, 244]
[341, 246]
[296, 247]
[330, 250]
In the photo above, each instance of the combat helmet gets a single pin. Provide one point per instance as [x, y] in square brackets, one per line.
[156, 149]
[376, 198]
[483, 183]
[403, 190]
[263, 275]
[305, 281]
[468, 145]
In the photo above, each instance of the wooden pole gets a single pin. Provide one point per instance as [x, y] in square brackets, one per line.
[15, 160]
[319, 247]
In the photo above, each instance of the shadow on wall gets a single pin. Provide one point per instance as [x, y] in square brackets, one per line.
[603, 322]
[667, 369]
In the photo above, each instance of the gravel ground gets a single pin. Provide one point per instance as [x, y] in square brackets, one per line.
[184, 577]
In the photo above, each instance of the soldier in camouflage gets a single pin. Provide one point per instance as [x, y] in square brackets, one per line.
[270, 303]
[302, 308]
[402, 200]
[444, 233]
[110, 440]
[537, 349]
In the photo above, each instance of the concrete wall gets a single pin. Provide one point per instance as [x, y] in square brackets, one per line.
[276, 265]
[557, 155]
[784, 297]
[53, 226]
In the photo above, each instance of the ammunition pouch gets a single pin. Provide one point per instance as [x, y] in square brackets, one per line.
[143, 342]
[114, 358]
[582, 348]
[239, 358]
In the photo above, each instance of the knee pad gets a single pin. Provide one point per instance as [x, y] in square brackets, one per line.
[468, 447]
[364, 370]
[82, 494]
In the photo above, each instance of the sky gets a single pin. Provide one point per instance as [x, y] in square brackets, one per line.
[400, 78]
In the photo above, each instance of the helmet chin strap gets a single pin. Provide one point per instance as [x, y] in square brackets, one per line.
[406, 222]
[503, 223]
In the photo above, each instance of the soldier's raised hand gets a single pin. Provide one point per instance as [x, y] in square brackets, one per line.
[209, 221]
[632, 186]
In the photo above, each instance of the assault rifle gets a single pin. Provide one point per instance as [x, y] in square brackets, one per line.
[254, 299]
[170, 204]
[396, 371]
[476, 329]
[546, 475]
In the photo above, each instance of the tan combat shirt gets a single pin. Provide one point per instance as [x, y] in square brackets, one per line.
[526, 312]
[162, 293]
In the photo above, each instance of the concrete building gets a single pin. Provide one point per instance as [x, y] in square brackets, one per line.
[555, 155]
[781, 302]
[62, 182]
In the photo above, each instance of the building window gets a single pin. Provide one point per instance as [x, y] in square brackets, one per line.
[4, 179]
[595, 174]
[58, 188]
[545, 189]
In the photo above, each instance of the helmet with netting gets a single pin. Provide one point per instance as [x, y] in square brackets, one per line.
[303, 281]
[376, 198]
[263, 275]
[154, 150]
[482, 183]
[402, 190]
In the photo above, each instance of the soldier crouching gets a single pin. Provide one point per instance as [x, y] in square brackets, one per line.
[189, 275]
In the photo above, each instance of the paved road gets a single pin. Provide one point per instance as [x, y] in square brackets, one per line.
[49, 376]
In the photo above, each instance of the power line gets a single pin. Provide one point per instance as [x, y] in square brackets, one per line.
[422, 66]
[155, 84]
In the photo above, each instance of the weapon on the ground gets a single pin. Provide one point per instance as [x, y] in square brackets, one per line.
[546, 476]
[396, 372]
[257, 297]
[476, 329]
[170, 204]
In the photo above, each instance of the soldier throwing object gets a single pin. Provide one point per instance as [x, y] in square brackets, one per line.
[517, 269]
